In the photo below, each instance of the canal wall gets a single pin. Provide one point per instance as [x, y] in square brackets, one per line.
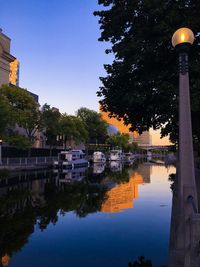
[27, 163]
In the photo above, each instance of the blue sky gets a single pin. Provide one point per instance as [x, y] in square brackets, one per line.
[56, 42]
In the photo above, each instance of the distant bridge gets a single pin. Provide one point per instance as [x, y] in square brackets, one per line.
[152, 147]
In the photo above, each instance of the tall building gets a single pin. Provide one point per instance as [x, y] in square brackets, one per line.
[5, 58]
[14, 72]
[143, 139]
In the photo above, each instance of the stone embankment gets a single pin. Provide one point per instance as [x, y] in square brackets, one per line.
[31, 163]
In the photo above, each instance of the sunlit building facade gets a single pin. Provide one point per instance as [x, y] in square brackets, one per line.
[143, 139]
[147, 138]
[5, 58]
[14, 72]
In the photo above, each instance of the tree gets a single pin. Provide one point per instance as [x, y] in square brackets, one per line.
[96, 127]
[4, 116]
[141, 83]
[119, 140]
[50, 119]
[133, 147]
[23, 111]
[72, 129]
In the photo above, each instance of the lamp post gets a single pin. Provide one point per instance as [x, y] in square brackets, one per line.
[0, 152]
[182, 41]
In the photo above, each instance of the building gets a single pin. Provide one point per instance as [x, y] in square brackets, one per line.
[14, 72]
[143, 139]
[5, 58]
[147, 138]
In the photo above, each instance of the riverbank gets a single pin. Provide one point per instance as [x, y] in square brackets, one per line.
[24, 167]
[29, 163]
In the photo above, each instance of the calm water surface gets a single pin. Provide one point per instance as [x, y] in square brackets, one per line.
[102, 216]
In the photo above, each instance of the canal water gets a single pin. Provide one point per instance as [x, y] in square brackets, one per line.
[101, 216]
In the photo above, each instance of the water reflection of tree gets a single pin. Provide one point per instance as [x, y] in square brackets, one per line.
[15, 226]
[141, 262]
[172, 179]
[21, 210]
[122, 176]
[19, 214]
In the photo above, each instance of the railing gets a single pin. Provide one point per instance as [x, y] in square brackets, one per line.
[28, 161]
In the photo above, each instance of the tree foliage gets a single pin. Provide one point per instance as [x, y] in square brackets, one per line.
[72, 129]
[23, 110]
[96, 127]
[142, 81]
[50, 119]
[119, 140]
[4, 116]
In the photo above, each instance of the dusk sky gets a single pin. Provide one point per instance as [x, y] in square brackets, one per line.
[56, 42]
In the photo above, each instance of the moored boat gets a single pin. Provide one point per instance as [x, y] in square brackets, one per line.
[70, 159]
[116, 155]
[99, 157]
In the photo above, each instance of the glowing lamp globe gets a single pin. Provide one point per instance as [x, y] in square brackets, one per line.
[182, 36]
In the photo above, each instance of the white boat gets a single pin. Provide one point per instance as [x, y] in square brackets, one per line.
[70, 159]
[129, 157]
[116, 155]
[99, 157]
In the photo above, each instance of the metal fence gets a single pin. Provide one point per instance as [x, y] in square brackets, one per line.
[28, 161]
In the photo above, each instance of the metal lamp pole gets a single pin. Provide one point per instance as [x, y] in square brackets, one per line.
[184, 234]
[182, 40]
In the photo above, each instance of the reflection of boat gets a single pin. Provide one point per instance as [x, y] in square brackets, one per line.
[99, 157]
[129, 157]
[98, 168]
[116, 154]
[73, 175]
[70, 159]
[116, 166]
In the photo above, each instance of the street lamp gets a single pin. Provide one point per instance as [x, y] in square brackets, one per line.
[0, 152]
[182, 41]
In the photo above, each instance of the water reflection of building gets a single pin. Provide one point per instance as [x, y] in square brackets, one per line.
[145, 171]
[122, 195]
